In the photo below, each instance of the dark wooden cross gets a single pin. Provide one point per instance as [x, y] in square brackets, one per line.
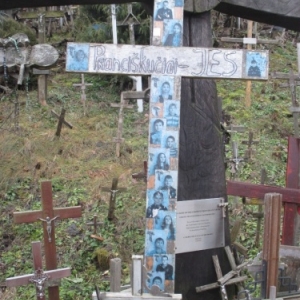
[40, 277]
[292, 84]
[143, 174]
[123, 104]
[249, 143]
[61, 121]
[113, 194]
[83, 86]
[47, 216]
[95, 225]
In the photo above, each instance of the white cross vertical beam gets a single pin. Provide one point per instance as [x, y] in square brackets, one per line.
[298, 56]
[163, 153]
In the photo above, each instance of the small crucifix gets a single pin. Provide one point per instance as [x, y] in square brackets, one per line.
[49, 214]
[123, 104]
[61, 121]
[95, 225]
[113, 193]
[40, 277]
[249, 143]
[83, 86]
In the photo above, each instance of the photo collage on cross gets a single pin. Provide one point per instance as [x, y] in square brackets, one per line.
[163, 150]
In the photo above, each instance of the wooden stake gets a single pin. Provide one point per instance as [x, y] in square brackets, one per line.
[270, 254]
[248, 82]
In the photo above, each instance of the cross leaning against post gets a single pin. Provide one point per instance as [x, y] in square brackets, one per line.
[168, 64]
[40, 277]
[47, 216]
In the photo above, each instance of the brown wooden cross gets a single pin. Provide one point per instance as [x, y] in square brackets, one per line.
[249, 143]
[143, 174]
[40, 277]
[61, 121]
[83, 86]
[47, 215]
[123, 104]
[95, 225]
[113, 193]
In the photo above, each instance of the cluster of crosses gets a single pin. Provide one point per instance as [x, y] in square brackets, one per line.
[166, 65]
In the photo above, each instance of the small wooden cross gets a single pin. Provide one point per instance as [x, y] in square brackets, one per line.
[48, 213]
[292, 84]
[232, 277]
[83, 86]
[130, 20]
[143, 174]
[118, 140]
[113, 193]
[40, 277]
[235, 160]
[61, 121]
[249, 143]
[95, 225]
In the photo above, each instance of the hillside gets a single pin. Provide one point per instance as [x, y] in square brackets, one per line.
[83, 160]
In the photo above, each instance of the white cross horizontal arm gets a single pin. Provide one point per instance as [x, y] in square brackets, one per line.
[155, 60]
[24, 279]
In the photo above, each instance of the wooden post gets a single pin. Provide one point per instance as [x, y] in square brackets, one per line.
[61, 121]
[47, 215]
[83, 86]
[298, 56]
[273, 204]
[112, 202]
[136, 275]
[115, 275]
[291, 181]
[142, 174]
[118, 140]
[248, 82]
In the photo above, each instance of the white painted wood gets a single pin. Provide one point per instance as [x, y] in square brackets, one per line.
[114, 23]
[115, 273]
[272, 292]
[122, 296]
[137, 261]
[298, 55]
[250, 41]
[154, 60]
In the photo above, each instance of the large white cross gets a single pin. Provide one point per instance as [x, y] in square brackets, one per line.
[166, 64]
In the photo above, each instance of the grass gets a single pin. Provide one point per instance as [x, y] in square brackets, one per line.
[82, 162]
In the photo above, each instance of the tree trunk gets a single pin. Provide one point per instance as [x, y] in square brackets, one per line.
[201, 163]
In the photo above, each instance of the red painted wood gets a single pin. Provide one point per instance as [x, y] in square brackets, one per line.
[292, 181]
[243, 189]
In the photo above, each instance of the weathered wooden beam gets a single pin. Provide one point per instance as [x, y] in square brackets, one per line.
[270, 253]
[236, 188]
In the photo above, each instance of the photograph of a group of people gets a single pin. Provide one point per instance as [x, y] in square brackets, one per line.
[162, 183]
[168, 22]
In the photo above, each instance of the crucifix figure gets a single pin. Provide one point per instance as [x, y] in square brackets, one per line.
[47, 215]
[49, 225]
[40, 277]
